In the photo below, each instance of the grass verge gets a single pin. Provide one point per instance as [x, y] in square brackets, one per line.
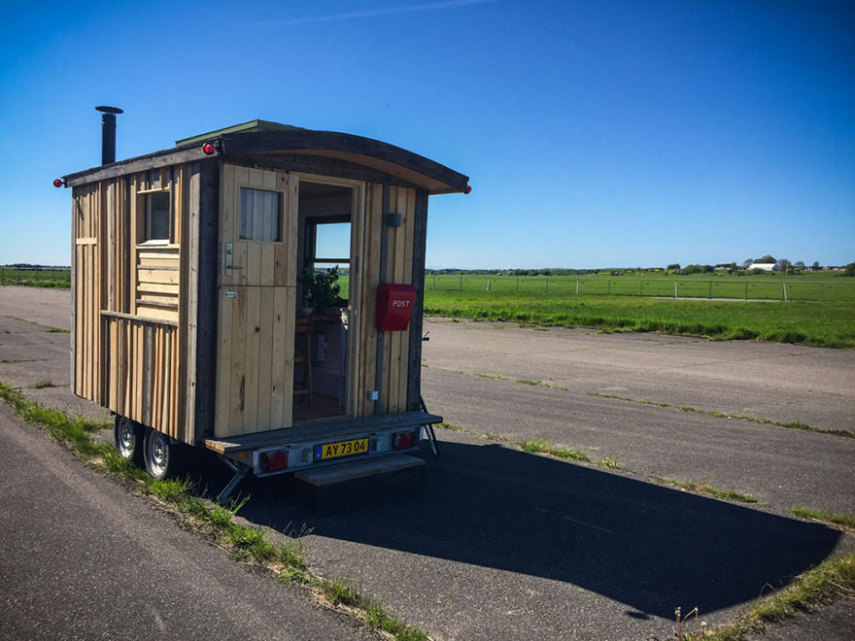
[542, 447]
[829, 580]
[792, 425]
[710, 490]
[248, 544]
[846, 521]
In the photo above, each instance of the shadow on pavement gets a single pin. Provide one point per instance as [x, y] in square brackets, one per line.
[646, 546]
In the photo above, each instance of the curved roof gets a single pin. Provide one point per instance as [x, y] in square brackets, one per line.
[272, 144]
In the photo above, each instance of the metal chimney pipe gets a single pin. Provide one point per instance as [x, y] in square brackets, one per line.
[108, 133]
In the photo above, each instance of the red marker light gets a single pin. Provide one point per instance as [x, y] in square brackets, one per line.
[209, 148]
[57, 182]
[467, 189]
[405, 440]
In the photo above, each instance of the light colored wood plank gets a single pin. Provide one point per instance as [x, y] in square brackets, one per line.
[288, 356]
[157, 313]
[372, 280]
[407, 278]
[265, 358]
[239, 259]
[224, 366]
[160, 276]
[160, 261]
[158, 251]
[163, 298]
[253, 354]
[281, 326]
[129, 369]
[189, 310]
[158, 288]
[238, 364]
[157, 392]
[267, 262]
[252, 266]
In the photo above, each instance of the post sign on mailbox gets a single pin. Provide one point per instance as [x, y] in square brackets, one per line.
[394, 306]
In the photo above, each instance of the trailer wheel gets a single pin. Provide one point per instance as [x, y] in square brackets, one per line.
[128, 439]
[161, 454]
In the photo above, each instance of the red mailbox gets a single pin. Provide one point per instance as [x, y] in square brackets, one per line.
[394, 307]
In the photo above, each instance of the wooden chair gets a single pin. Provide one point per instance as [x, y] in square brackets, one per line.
[304, 327]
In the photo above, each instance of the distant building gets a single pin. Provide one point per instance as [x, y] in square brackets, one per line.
[766, 267]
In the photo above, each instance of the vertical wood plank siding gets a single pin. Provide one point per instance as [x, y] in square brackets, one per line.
[394, 362]
[127, 302]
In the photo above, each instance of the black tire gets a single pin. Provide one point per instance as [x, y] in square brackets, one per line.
[162, 455]
[128, 439]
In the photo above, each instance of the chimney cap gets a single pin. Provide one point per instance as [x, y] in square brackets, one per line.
[109, 110]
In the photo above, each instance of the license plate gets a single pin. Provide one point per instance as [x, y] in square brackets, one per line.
[340, 449]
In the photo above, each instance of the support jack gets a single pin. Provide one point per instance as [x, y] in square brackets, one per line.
[240, 471]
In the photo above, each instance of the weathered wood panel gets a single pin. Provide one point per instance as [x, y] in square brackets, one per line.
[143, 371]
[127, 295]
[88, 291]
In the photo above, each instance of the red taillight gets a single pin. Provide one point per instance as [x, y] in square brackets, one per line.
[57, 182]
[209, 148]
[405, 440]
[467, 189]
[273, 461]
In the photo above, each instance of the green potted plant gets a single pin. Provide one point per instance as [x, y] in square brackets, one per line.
[320, 289]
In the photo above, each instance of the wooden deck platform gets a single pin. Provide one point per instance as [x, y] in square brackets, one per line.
[320, 430]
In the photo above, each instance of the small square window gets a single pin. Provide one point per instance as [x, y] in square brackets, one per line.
[157, 216]
[259, 214]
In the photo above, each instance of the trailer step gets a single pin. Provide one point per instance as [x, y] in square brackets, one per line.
[359, 484]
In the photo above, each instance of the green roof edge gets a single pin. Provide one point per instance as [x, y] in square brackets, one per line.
[251, 125]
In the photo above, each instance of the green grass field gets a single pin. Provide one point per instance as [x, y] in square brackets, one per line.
[818, 311]
[35, 277]
[819, 307]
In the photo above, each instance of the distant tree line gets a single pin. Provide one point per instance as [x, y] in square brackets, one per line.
[31, 267]
[548, 271]
[784, 266]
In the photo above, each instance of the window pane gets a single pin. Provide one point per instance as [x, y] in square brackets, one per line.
[259, 214]
[332, 240]
[157, 216]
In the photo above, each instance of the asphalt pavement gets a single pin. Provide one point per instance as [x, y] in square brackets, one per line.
[85, 559]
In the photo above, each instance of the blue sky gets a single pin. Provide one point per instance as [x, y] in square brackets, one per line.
[596, 133]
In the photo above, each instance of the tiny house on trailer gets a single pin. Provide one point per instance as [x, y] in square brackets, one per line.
[191, 323]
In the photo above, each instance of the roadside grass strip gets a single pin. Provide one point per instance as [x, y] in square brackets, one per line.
[830, 580]
[710, 490]
[845, 521]
[285, 560]
[792, 425]
[542, 447]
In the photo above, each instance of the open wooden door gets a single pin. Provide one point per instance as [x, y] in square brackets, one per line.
[256, 297]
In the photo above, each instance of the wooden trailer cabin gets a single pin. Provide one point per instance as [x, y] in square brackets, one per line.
[190, 268]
